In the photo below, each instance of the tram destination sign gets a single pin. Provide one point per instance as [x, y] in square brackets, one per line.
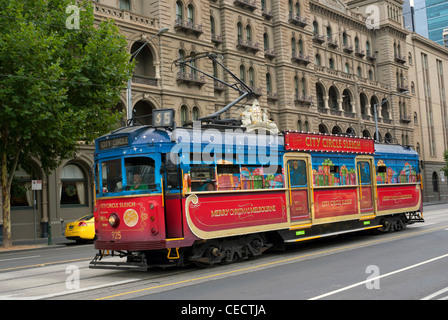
[328, 143]
[113, 143]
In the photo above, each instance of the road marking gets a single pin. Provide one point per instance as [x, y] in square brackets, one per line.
[43, 264]
[435, 294]
[19, 258]
[271, 263]
[56, 294]
[379, 277]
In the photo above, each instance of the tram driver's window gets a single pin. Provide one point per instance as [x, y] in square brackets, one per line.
[111, 174]
[140, 173]
[297, 173]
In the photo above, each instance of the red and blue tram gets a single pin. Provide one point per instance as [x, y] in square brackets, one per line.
[210, 196]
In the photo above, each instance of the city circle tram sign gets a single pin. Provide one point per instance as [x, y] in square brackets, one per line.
[298, 141]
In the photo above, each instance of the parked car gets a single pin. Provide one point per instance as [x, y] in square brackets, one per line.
[81, 230]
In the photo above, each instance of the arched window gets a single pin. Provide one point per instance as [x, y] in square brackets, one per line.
[195, 113]
[370, 74]
[21, 193]
[359, 72]
[268, 82]
[346, 68]
[248, 33]
[331, 63]
[317, 60]
[344, 39]
[251, 77]
[190, 13]
[181, 56]
[72, 186]
[212, 25]
[266, 41]
[239, 29]
[435, 182]
[179, 10]
[315, 27]
[357, 44]
[242, 73]
[297, 8]
[293, 46]
[183, 114]
[296, 85]
[368, 48]
[303, 85]
[125, 4]
[329, 33]
[300, 46]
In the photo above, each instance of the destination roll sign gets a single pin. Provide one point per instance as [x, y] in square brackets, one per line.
[325, 142]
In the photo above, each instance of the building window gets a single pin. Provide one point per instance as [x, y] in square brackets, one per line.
[72, 186]
[331, 63]
[190, 12]
[195, 113]
[435, 182]
[243, 73]
[183, 114]
[179, 10]
[21, 194]
[125, 4]
[346, 68]
[317, 60]
[239, 28]
[268, 82]
[251, 77]
[315, 27]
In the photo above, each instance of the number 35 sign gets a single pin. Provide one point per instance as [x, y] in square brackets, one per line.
[163, 118]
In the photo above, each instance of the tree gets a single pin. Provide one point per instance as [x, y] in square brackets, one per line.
[60, 78]
[445, 168]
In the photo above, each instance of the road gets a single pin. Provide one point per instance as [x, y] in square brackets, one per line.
[405, 265]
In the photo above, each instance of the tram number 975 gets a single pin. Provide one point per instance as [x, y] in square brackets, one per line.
[162, 117]
[116, 235]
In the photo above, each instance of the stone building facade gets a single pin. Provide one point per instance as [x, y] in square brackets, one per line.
[317, 66]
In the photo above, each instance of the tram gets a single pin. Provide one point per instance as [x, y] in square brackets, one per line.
[210, 195]
[219, 191]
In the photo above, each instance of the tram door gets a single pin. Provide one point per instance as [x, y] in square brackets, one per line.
[172, 193]
[366, 185]
[296, 171]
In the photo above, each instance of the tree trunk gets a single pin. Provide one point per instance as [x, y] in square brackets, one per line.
[6, 207]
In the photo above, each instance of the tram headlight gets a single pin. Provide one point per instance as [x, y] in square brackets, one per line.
[114, 220]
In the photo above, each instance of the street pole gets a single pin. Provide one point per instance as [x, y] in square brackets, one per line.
[129, 86]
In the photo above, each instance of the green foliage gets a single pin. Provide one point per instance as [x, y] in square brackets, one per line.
[445, 168]
[57, 86]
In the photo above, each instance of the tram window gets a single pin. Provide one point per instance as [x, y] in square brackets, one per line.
[202, 177]
[228, 177]
[172, 171]
[297, 173]
[112, 178]
[140, 173]
[364, 172]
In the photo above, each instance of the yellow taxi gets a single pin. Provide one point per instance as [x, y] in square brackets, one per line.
[82, 229]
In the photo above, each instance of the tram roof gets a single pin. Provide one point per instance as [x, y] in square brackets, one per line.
[395, 150]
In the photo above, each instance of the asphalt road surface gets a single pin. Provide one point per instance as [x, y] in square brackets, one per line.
[406, 265]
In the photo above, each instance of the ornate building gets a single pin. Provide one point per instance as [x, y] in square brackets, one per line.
[317, 66]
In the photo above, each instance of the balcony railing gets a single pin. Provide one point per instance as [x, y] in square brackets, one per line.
[269, 53]
[267, 14]
[188, 27]
[405, 118]
[348, 48]
[370, 56]
[301, 98]
[248, 45]
[144, 80]
[402, 87]
[333, 43]
[359, 53]
[400, 59]
[300, 58]
[272, 95]
[217, 39]
[190, 78]
[246, 4]
[298, 20]
[318, 38]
